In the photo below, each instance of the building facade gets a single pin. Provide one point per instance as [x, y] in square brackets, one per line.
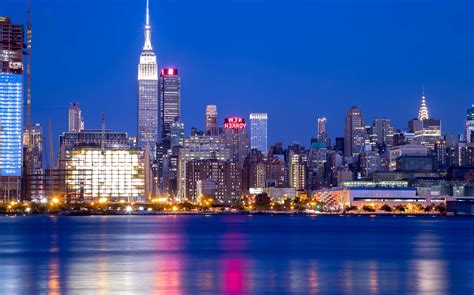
[224, 176]
[198, 147]
[115, 174]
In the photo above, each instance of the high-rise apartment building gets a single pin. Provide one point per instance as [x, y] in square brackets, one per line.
[11, 103]
[212, 128]
[276, 171]
[254, 172]
[75, 120]
[170, 109]
[223, 176]
[354, 132]
[297, 172]
[198, 147]
[258, 131]
[147, 112]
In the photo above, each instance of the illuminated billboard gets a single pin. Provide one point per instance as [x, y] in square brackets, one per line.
[234, 123]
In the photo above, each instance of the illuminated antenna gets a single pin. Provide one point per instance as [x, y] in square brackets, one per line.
[147, 45]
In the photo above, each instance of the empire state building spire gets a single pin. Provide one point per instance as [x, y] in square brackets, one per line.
[147, 45]
[423, 113]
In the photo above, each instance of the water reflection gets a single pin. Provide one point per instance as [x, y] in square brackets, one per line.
[430, 276]
[234, 279]
[313, 278]
[143, 255]
[373, 278]
[54, 276]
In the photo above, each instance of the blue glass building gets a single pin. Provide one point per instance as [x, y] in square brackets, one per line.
[11, 104]
[258, 131]
[11, 99]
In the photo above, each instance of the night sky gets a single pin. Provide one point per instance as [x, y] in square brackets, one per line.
[294, 59]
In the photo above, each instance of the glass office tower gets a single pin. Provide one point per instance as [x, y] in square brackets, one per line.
[11, 103]
[258, 131]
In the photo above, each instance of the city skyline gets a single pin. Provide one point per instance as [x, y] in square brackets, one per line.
[230, 101]
[250, 147]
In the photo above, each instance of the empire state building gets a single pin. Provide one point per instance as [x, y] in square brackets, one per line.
[147, 107]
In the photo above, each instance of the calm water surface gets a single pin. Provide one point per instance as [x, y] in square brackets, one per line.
[236, 255]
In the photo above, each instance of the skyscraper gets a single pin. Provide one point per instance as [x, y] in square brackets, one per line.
[297, 172]
[211, 120]
[469, 129]
[383, 130]
[169, 113]
[11, 102]
[354, 132]
[170, 109]
[427, 130]
[33, 176]
[147, 112]
[258, 132]
[75, 120]
[322, 135]
[235, 137]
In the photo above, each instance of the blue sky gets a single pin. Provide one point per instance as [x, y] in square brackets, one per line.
[294, 59]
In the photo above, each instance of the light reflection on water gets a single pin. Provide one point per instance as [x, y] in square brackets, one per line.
[236, 255]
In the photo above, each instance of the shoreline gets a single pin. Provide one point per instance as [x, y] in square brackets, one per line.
[241, 213]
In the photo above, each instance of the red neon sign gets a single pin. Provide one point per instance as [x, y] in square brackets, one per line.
[234, 123]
